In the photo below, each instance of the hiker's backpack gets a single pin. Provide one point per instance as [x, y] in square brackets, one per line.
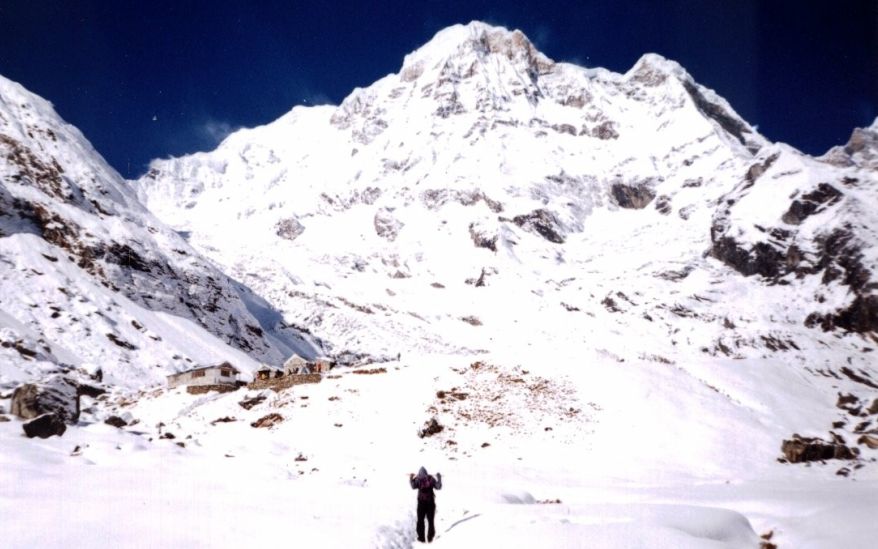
[425, 488]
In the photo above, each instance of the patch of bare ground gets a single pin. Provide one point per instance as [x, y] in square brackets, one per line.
[370, 371]
[513, 398]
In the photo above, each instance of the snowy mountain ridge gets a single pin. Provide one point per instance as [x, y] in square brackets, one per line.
[108, 285]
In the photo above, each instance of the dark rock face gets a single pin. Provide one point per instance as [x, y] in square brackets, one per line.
[833, 249]
[715, 112]
[45, 426]
[860, 316]
[804, 449]
[116, 421]
[58, 397]
[541, 222]
[824, 196]
[430, 428]
[761, 258]
[636, 196]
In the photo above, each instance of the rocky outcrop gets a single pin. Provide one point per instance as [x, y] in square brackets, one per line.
[632, 196]
[822, 197]
[717, 113]
[57, 396]
[481, 238]
[45, 426]
[386, 225]
[116, 421]
[289, 228]
[267, 421]
[541, 222]
[803, 449]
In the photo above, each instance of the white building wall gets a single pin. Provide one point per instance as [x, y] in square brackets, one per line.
[211, 377]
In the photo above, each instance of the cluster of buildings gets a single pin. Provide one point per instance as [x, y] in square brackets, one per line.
[224, 375]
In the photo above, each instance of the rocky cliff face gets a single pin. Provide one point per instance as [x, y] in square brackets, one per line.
[72, 230]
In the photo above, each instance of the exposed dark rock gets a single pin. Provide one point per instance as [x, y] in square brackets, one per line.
[822, 197]
[610, 304]
[481, 240]
[248, 403]
[635, 196]
[715, 112]
[125, 255]
[116, 421]
[663, 204]
[289, 228]
[860, 316]
[386, 226]
[762, 258]
[605, 130]
[3, 419]
[803, 449]
[58, 396]
[542, 222]
[430, 428]
[45, 426]
[756, 170]
[121, 342]
[267, 421]
[84, 389]
[472, 320]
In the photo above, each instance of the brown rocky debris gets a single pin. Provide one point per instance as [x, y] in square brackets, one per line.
[869, 441]
[370, 371]
[267, 421]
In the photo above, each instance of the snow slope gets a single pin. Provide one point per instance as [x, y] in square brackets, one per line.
[90, 279]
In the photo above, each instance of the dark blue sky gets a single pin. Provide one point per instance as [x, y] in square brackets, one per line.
[805, 72]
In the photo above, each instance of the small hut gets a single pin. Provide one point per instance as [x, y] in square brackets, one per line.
[321, 365]
[296, 365]
[218, 374]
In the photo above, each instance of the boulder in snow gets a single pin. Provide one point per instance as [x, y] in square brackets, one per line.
[45, 426]
[58, 396]
[802, 449]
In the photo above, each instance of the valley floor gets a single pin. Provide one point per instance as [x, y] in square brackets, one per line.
[334, 473]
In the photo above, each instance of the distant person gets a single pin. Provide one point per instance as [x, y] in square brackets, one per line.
[424, 484]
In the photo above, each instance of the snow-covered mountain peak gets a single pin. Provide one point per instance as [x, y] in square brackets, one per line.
[471, 42]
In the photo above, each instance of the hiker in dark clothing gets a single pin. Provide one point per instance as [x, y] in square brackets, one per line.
[425, 484]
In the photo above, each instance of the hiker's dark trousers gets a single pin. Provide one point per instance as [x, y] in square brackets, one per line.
[426, 509]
